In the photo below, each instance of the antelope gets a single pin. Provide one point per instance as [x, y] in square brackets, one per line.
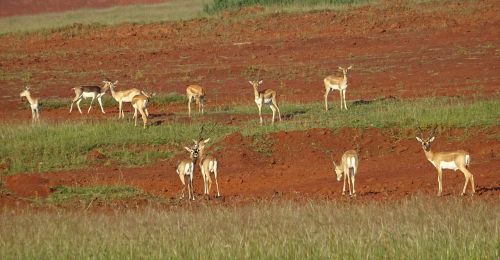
[139, 102]
[124, 96]
[195, 93]
[35, 106]
[208, 165]
[185, 169]
[267, 97]
[336, 83]
[85, 92]
[457, 160]
[350, 160]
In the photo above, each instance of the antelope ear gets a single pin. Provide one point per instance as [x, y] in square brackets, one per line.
[207, 140]
[195, 142]
[251, 83]
[340, 68]
[418, 139]
[350, 67]
[260, 82]
[432, 139]
[188, 149]
[116, 82]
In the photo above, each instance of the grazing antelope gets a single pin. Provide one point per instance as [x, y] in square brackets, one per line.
[267, 97]
[196, 93]
[35, 106]
[457, 160]
[139, 102]
[336, 83]
[349, 161]
[185, 169]
[208, 165]
[85, 92]
[124, 96]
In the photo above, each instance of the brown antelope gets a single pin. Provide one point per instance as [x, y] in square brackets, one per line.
[185, 169]
[139, 102]
[336, 83]
[208, 165]
[350, 160]
[457, 160]
[195, 93]
[267, 97]
[85, 92]
[35, 106]
[124, 96]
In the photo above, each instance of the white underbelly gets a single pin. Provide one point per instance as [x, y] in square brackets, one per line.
[188, 169]
[267, 101]
[88, 94]
[448, 165]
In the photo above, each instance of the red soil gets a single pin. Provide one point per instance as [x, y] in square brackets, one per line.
[29, 7]
[398, 51]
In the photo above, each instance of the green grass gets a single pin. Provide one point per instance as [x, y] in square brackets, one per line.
[221, 5]
[72, 23]
[415, 228]
[65, 194]
[108, 101]
[52, 147]
[67, 145]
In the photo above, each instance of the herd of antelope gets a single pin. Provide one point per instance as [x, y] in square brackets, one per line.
[457, 160]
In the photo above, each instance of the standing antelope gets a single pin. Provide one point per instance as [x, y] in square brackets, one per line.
[349, 161]
[35, 106]
[336, 83]
[457, 160]
[266, 96]
[139, 102]
[196, 93]
[208, 165]
[124, 96]
[185, 168]
[85, 92]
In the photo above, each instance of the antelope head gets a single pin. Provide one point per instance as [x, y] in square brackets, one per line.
[255, 83]
[426, 142]
[344, 71]
[25, 92]
[338, 170]
[109, 85]
[193, 152]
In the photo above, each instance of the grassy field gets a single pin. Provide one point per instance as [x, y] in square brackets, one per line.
[416, 228]
[59, 146]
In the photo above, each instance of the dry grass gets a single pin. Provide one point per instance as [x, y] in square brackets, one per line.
[417, 228]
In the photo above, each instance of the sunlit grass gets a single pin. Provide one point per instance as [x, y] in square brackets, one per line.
[416, 228]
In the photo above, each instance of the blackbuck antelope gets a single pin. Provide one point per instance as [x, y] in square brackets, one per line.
[124, 96]
[85, 92]
[349, 161]
[457, 160]
[195, 93]
[185, 169]
[139, 102]
[267, 97]
[35, 106]
[336, 83]
[208, 165]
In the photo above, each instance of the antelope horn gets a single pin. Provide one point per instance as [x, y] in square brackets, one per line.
[420, 132]
[433, 131]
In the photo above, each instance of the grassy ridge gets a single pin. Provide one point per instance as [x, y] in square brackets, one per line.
[66, 146]
[47, 23]
[417, 228]
[221, 5]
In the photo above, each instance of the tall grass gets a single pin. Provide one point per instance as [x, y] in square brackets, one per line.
[221, 5]
[417, 228]
[168, 11]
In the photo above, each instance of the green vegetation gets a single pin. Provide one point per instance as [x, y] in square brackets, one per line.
[51, 147]
[64, 194]
[221, 5]
[67, 145]
[75, 22]
[417, 228]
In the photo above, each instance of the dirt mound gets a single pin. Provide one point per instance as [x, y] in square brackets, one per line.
[28, 185]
